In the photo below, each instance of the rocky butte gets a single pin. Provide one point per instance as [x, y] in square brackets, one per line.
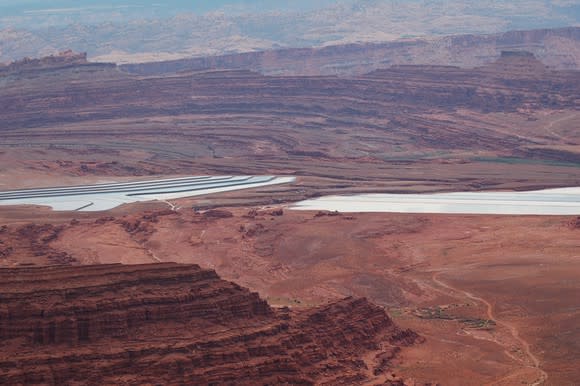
[61, 60]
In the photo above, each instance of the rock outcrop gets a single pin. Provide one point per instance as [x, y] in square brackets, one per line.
[574, 223]
[175, 324]
[62, 60]
[33, 240]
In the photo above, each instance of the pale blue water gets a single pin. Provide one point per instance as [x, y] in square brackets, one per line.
[90, 198]
[564, 201]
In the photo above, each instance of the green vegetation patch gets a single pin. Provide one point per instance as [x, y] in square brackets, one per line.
[524, 161]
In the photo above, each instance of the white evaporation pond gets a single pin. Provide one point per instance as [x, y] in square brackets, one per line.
[92, 198]
[564, 201]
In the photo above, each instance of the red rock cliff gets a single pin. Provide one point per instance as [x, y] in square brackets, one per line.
[169, 323]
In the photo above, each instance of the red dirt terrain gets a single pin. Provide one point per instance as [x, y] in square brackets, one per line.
[495, 297]
[179, 324]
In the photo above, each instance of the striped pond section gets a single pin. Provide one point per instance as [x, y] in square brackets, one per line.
[107, 196]
[564, 201]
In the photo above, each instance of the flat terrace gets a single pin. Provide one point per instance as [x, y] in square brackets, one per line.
[107, 196]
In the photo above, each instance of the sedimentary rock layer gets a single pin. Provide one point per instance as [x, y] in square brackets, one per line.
[390, 101]
[170, 323]
[98, 120]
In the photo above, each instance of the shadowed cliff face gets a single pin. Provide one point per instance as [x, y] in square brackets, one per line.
[172, 323]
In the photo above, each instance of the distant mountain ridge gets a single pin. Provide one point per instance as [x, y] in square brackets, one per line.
[557, 48]
[139, 34]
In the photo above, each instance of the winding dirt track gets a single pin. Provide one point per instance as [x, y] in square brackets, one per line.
[530, 360]
[550, 127]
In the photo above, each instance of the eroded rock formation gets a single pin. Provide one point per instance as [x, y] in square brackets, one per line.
[574, 223]
[390, 103]
[170, 323]
[62, 60]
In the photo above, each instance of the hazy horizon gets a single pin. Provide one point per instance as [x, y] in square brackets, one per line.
[21, 13]
[37, 13]
[136, 30]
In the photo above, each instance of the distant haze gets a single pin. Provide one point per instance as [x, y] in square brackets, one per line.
[22, 12]
[138, 30]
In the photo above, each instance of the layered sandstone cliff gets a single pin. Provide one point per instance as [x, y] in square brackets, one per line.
[242, 122]
[169, 323]
[291, 113]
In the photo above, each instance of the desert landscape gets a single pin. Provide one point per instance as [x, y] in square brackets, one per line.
[490, 316]
[197, 267]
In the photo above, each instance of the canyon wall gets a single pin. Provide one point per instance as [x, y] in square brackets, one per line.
[170, 323]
